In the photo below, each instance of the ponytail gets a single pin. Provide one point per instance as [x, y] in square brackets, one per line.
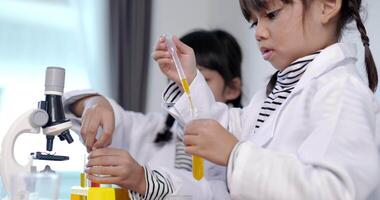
[354, 7]
[165, 135]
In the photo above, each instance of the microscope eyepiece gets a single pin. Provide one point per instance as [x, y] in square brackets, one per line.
[57, 124]
[54, 80]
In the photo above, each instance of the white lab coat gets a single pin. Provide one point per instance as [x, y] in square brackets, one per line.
[319, 144]
[136, 133]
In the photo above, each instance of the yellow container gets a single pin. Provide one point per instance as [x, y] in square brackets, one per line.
[95, 193]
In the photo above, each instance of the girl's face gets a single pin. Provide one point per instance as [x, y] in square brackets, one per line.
[284, 33]
[215, 81]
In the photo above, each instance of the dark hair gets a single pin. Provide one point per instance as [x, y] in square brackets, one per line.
[349, 11]
[216, 50]
[234, 58]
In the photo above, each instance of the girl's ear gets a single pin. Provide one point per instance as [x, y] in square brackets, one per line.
[233, 91]
[330, 9]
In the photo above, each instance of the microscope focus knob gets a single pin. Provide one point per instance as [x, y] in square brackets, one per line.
[39, 118]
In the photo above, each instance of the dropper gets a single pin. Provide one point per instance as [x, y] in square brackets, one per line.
[197, 161]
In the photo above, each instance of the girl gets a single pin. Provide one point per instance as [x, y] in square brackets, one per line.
[156, 142]
[312, 133]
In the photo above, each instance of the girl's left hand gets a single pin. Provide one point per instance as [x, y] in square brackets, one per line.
[208, 139]
[116, 166]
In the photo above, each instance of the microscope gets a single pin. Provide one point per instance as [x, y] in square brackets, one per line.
[49, 117]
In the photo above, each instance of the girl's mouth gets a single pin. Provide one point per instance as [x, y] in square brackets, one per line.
[267, 53]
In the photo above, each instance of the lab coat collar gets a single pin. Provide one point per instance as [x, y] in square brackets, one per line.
[328, 59]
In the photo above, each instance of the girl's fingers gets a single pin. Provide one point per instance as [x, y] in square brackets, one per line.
[160, 55]
[192, 128]
[103, 180]
[87, 133]
[165, 61]
[104, 140]
[192, 150]
[160, 45]
[83, 128]
[104, 161]
[93, 126]
[190, 140]
[182, 47]
[106, 137]
[105, 152]
[103, 170]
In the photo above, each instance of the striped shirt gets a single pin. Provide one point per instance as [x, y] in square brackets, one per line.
[285, 83]
[158, 184]
[172, 93]
[182, 160]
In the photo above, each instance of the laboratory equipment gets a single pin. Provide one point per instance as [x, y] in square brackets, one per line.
[49, 117]
[196, 161]
[34, 186]
[98, 193]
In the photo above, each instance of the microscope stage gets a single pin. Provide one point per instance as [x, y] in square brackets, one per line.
[45, 156]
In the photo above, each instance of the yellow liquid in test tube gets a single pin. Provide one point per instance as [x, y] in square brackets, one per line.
[83, 181]
[196, 161]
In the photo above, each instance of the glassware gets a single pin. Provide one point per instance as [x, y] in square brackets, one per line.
[34, 186]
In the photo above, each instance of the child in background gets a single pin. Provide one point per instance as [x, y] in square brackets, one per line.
[149, 158]
[313, 132]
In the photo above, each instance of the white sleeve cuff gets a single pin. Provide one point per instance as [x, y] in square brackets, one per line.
[68, 99]
[230, 164]
[202, 98]
[73, 96]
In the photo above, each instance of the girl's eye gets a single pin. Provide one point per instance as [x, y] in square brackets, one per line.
[253, 25]
[272, 15]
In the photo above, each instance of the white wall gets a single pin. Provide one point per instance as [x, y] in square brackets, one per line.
[180, 16]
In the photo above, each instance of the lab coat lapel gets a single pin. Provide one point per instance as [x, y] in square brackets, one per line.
[252, 114]
[263, 135]
[327, 60]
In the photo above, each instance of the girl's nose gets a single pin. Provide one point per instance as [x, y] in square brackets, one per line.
[262, 32]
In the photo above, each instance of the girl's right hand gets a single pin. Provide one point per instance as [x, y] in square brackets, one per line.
[95, 112]
[185, 54]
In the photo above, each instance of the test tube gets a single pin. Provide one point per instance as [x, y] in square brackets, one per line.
[83, 179]
[196, 160]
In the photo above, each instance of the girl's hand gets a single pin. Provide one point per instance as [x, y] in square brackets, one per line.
[116, 166]
[208, 139]
[185, 54]
[96, 112]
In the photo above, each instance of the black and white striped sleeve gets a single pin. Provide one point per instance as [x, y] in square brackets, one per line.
[158, 186]
[171, 94]
[183, 160]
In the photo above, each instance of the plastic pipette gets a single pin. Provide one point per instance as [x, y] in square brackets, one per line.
[197, 161]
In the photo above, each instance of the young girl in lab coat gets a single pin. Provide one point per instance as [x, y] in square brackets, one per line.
[313, 132]
[152, 140]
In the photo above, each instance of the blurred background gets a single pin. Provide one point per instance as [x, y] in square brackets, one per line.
[106, 45]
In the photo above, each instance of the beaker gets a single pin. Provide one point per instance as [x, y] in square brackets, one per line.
[34, 186]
